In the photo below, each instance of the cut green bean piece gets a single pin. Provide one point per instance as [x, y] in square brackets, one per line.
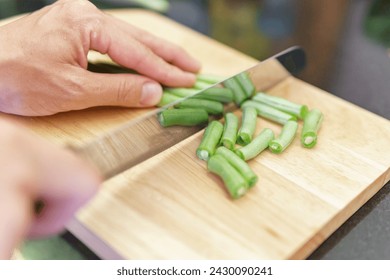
[269, 112]
[239, 164]
[211, 107]
[181, 92]
[259, 144]
[297, 110]
[208, 78]
[230, 128]
[246, 84]
[238, 93]
[234, 182]
[285, 137]
[167, 98]
[183, 117]
[311, 125]
[248, 125]
[224, 95]
[210, 140]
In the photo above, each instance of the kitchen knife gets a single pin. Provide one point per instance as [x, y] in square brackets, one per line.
[144, 137]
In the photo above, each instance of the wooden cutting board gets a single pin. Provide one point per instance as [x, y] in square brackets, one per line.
[170, 207]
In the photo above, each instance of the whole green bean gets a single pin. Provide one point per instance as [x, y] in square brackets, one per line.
[234, 182]
[285, 137]
[210, 140]
[183, 117]
[220, 94]
[269, 112]
[230, 128]
[311, 125]
[246, 84]
[248, 125]
[239, 164]
[258, 144]
[211, 107]
[297, 110]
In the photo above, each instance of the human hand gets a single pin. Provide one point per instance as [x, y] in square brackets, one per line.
[43, 61]
[33, 169]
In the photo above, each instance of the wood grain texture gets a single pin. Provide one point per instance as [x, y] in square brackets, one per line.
[170, 207]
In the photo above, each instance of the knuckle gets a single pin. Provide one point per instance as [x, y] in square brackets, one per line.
[116, 92]
[142, 57]
[166, 77]
[125, 89]
[78, 7]
[81, 13]
[93, 22]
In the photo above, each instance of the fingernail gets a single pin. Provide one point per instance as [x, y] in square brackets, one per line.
[151, 94]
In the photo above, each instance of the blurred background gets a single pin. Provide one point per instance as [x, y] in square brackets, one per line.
[347, 41]
[348, 48]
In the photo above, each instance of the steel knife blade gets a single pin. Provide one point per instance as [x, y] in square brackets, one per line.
[144, 137]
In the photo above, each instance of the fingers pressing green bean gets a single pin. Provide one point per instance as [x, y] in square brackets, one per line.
[210, 140]
[183, 117]
[211, 107]
[233, 181]
[258, 144]
[285, 137]
[248, 125]
[269, 112]
[282, 104]
[239, 164]
[311, 125]
[230, 128]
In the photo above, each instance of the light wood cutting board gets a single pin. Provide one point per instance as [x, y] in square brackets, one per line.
[170, 207]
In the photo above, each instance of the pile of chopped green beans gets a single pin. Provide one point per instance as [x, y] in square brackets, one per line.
[228, 146]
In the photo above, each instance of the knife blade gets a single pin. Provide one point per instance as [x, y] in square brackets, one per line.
[144, 137]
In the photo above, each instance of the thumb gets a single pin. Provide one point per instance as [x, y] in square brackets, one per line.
[128, 90]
